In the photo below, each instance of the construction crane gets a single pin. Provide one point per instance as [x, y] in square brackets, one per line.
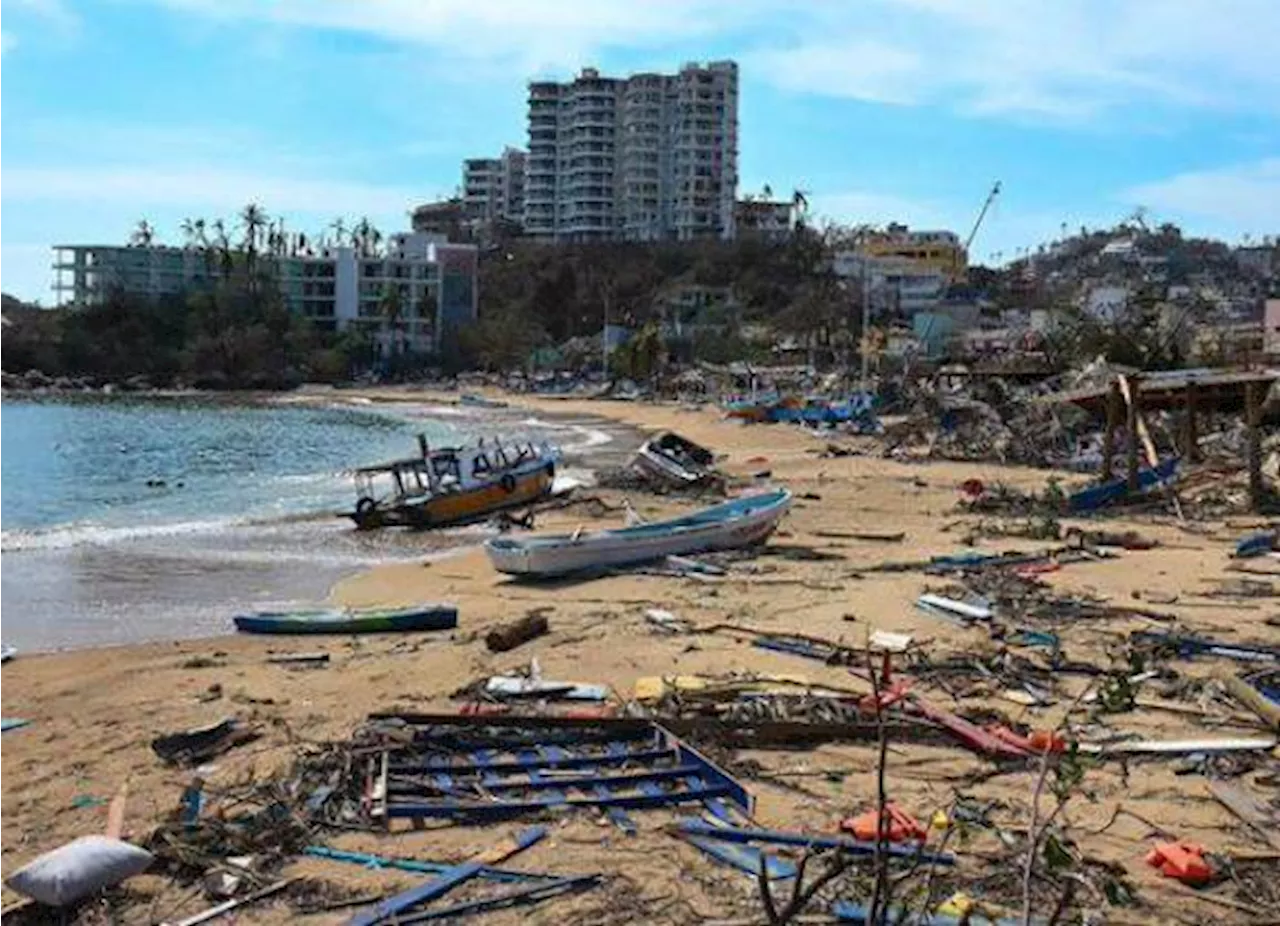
[991, 197]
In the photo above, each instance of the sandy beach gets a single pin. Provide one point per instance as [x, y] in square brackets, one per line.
[94, 712]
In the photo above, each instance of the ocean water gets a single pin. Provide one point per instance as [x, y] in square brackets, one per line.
[91, 470]
[125, 520]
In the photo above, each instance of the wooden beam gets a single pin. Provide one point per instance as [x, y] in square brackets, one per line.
[1191, 435]
[1109, 434]
[1131, 425]
[1132, 396]
[1253, 435]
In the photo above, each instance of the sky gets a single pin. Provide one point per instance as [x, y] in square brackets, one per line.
[880, 110]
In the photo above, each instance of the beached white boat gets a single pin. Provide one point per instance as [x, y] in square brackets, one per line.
[672, 459]
[740, 522]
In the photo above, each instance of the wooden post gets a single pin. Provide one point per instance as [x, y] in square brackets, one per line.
[1109, 434]
[1131, 424]
[1190, 434]
[1252, 421]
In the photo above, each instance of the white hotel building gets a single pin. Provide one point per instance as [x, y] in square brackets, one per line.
[643, 158]
[335, 287]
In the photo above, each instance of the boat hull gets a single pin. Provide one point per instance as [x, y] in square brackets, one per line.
[464, 506]
[735, 524]
[427, 617]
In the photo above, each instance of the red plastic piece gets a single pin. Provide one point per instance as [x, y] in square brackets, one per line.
[1035, 569]
[1181, 860]
[898, 825]
[1037, 741]
[890, 696]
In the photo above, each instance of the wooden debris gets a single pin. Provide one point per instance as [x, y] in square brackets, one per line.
[509, 636]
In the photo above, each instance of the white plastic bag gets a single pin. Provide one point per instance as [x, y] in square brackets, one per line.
[78, 869]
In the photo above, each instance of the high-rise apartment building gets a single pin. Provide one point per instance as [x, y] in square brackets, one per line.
[644, 158]
[493, 188]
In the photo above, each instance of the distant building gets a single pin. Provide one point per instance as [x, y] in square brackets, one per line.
[768, 220]
[1106, 303]
[1271, 328]
[493, 188]
[445, 217]
[644, 158]
[896, 284]
[940, 251]
[431, 282]
[1262, 259]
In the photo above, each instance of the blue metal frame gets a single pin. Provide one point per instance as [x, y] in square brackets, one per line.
[468, 768]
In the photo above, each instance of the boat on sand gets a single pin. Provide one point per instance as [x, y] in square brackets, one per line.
[741, 522]
[350, 620]
[674, 460]
[446, 486]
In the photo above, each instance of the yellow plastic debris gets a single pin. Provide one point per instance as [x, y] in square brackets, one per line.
[958, 904]
[939, 820]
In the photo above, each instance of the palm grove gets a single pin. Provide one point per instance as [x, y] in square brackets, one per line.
[237, 332]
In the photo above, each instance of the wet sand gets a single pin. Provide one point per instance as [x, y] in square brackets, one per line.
[174, 582]
[94, 712]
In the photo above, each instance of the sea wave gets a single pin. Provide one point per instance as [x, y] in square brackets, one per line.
[78, 534]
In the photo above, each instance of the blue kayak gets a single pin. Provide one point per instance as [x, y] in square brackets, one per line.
[349, 620]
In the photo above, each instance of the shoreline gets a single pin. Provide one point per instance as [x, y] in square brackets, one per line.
[96, 710]
[291, 559]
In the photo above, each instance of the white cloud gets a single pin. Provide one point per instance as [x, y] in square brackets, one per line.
[531, 34]
[1043, 58]
[1232, 201]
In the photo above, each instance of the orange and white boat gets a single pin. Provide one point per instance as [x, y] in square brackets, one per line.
[453, 485]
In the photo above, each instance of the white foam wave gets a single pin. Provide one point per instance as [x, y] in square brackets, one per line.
[87, 534]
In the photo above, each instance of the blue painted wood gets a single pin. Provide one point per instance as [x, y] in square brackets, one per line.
[814, 840]
[553, 786]
[441, 885]
[369, 860]
[1099, 495]
[497, 810]
[576, 760]
[745, 858]
[715, 775]
[533, 894]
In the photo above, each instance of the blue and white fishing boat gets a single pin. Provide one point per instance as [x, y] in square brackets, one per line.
[741, 522]
[350, 620]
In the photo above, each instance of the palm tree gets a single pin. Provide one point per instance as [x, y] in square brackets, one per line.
[339, 230]
[223, 244]
[188, 229]
[392, 311]
[254, 221]
[143, 235]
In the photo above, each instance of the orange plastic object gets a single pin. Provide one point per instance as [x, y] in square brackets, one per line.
[1037, 741]
[1181, 860]
[890, 696]
[898, 825]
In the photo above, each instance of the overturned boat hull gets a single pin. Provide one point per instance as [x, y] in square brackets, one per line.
[741, 522]
[671, 459]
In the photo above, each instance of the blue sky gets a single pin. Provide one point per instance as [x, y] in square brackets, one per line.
[882, 110]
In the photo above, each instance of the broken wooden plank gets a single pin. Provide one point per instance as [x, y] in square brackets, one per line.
[115, 813]
[1245, 806]
[1175, 747]
[446, 881]
[214, 912]
[1266, 709]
